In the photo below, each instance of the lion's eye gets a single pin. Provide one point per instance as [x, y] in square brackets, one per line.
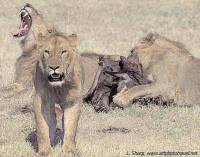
[64, 51]
[50, 30]
[46, 51]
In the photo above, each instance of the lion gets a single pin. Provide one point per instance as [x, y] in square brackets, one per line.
[58, 79]
[33, 25]
[174, 72]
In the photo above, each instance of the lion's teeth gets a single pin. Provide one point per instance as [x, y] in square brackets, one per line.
[25, 14]
[23, 11]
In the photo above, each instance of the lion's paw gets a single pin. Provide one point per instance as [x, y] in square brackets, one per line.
[45, 152]
[71, 150]
[123, 99]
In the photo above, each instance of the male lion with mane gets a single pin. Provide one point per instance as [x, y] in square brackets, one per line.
[58, 80]
[174, 71]
[32, 26]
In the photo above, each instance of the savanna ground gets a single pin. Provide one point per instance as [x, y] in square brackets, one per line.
[107, 26]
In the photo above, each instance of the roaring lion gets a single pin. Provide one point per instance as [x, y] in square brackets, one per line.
[174, 72]
[32, 26]
[57, 79]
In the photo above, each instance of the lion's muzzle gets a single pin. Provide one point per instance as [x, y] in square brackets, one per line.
[25, 26]
[55, 77]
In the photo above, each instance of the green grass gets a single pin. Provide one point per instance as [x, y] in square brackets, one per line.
[111, 26]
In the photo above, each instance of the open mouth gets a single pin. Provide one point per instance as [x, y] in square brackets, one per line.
[55, 77]
[25, 25]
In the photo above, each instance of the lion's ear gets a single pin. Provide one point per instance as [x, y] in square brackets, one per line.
[74, 39]
[40, 40]
[51, 28]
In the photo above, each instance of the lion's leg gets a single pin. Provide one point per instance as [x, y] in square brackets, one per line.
[52, 123]
[42, 116]
[16, 91]
[11, 90]
[125, 97]
[70, 122]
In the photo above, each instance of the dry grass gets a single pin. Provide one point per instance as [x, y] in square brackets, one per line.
[111, 26]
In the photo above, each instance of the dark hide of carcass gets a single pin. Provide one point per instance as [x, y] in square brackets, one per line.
[111, 77]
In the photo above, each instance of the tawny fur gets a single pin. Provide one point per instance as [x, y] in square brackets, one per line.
[174, 71]
[25, 63]
[23, 85]
[68, 94]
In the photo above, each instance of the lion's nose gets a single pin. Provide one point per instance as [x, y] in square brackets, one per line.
[54, 67]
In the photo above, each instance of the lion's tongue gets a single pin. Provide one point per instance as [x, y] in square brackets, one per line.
[19, 31]
[15, 32]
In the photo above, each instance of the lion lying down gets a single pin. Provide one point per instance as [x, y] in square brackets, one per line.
[32, 26]
[35, 26]
[175, 72]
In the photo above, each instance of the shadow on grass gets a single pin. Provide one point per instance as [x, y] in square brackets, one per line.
[32, 139]
[115, 130]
